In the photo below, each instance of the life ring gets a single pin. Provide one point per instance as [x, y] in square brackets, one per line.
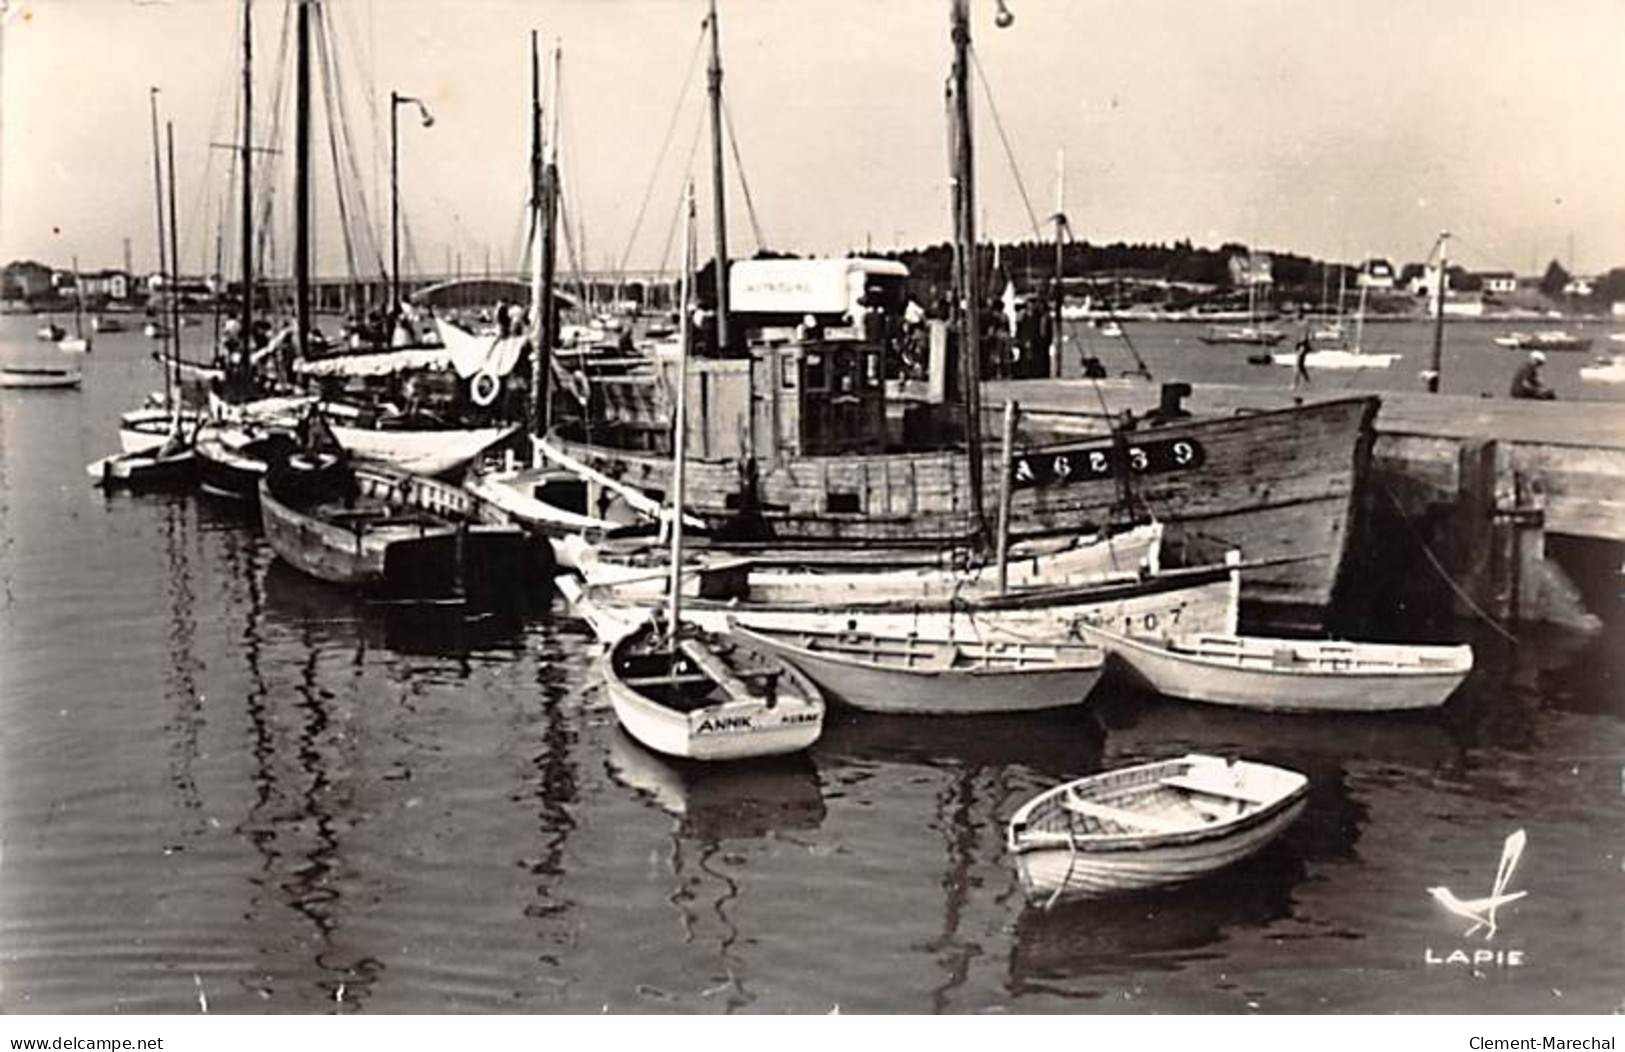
[484, 388]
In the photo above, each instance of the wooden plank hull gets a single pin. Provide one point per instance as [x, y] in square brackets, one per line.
[786, 719]
[1279, 484]
[445, 554]
[937, 692]
[1150, 826]
[231, 461]
[1351, 685]
[1160, 604]
[144, 470]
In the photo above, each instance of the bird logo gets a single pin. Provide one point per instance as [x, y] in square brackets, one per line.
[1482, 911]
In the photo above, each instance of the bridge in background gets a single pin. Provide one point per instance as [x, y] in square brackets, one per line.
[334, 295]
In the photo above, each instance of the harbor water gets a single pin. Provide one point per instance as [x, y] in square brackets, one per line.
[226, 787]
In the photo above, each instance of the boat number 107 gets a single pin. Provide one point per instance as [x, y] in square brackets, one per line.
[1088, 463]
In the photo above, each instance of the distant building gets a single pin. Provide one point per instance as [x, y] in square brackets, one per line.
[1254, 269]
[1376, 274]
[104, 284]
[1580, 287]
[1497, 282]
[25, 280]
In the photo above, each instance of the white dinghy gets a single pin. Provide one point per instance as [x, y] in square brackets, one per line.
[1149, 826]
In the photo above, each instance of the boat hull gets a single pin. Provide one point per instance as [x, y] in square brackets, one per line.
[1162, 603]
[1286, 689]
[944, 692]
[59, 379]
[1185, 820]
[231, 462]
[431, 453]
[1282, 483]
[420, 560]
[732, 730]
[144, 470]
[1057, 874]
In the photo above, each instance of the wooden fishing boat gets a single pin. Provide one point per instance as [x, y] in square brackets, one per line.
[144, 430]
[1290, 675]
[802, 439]
[1203, 599]
[1149, 826]
[39, 376]
[905, 675]
[710, 697]
[397, 536]
[419, 450]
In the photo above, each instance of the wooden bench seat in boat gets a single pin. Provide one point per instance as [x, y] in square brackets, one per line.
[1212, 788]
[731, 683]
[1122, 816]
[674, 679]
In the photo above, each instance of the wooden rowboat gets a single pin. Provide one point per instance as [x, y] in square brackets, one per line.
[711, 697]
[172, 463]
[1149, 826]
[907, 675]
[1290, 675]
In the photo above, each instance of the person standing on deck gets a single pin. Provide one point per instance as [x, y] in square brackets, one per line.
[1526, 382]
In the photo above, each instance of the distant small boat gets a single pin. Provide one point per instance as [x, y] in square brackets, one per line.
[1617, 337]
[42, 377]
[905, 675]
[74, 344]
[144, 430]
[1291, 675]
[102, 323]
[1149, 826]
[1606, 370]
[1336, 358]
[154, 331]
[1545, 340]
[1245, 335]
[51, 332]
[1111, 330]
[710, 696]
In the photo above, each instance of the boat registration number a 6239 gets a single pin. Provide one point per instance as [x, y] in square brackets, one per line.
[1058, 467]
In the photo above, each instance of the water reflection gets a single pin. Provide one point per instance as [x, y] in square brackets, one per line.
[1056, 742]
[183, 665]
[554, 789]
[1105, 939]
[715, 806]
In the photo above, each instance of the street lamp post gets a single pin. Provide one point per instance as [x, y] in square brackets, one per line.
[396, 100]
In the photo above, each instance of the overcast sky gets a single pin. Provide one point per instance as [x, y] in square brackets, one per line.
[1330, 127]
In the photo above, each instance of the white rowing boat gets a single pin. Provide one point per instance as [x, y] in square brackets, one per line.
[1149, 826]
[707, 696]
[907, 676]
[1291, 675]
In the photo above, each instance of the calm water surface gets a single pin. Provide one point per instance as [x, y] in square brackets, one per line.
[222, 783]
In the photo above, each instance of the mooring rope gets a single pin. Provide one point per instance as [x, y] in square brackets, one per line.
[1433, 560]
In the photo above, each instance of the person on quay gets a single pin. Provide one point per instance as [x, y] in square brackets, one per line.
[1526, 382]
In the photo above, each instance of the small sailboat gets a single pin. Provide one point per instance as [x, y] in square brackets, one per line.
[1608, 369]
[1544, 340]
[704, 695]
[1339, 356]
[78, 343]
[1149, 826]
[1290, 675]
[906, 675]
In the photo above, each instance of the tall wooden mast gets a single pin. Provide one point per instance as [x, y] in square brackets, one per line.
[538, 350]
[719, 188]
[236, 369]
[966, 285]
[301, 180]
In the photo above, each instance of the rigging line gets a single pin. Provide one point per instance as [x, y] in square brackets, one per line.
[329, 86]
[688, 166]
[350, 187]
[1433, 560]
[739, 166]
[987, 92]
[266, 247]
[1142, 368]
[660, 157]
